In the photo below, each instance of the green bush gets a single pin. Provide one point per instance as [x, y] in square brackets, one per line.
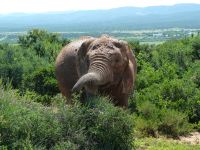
[29, 60]
[26, 122]
[147, 119]
[99, 125]
[43, 81]
[10, 67]
[197, 126]
[96, 125]
[148, 76]
[178, 94]
[144, 128]
[44, 44]
[196, 48]
[113, 121]
[12, 73]
[65, 146]
[173, 123]
[152, 120]
[43, 99]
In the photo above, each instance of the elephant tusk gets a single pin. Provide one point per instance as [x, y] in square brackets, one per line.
[77, 87]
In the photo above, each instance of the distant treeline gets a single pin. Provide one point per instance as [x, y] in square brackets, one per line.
[152, 36]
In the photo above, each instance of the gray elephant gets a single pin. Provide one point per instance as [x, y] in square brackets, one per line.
[101, 65]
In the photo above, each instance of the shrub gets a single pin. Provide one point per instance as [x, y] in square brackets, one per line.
[45, 100]
[152, 120]
[173, 123]
[144, 128]
[65, 146]
[44, 44]
[196, 48]
[96, 125]
[26, 122]
[179, 94]
[113, 121]
[148, 76]
[197, 126]
[147, 120]
[43, 81]
[12, 73]
[35, 50]
[104, 126]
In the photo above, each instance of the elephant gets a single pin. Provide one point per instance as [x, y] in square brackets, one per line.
[103, 65]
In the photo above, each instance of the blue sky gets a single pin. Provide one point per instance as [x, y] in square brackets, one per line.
[29, 6]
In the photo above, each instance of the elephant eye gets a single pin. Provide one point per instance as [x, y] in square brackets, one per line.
[118, 45]
[95, 47]
[88, 62]
[116, 59]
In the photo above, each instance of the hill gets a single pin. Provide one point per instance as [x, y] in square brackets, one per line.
[125, 18]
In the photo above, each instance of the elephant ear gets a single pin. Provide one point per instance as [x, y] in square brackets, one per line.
[124, 48]
[129, 74]
[82, 61]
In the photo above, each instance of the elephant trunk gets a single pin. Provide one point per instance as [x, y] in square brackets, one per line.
[89, 78]
[98, 74]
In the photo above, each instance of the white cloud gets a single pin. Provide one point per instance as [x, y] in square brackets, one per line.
[9, 6]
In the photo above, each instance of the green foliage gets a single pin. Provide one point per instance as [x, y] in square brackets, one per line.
[29, 66]
[44, 44]
[13, 72]
[153, 120]
[167, 88]
[43, 81]
[10, 67]
[24, 122]
[173, 123]
[65, 145]
[196, 48]
[167, 96]
[197, 126]
[168, 76]
[28, 125]
[113, 121]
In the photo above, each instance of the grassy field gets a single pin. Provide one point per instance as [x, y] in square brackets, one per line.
[163, 144]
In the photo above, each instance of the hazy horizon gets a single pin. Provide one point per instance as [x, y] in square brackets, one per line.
[36, 6]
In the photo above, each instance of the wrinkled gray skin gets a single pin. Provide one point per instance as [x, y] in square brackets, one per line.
[97, 65]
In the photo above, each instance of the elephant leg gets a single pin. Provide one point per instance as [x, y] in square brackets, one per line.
[65, 92]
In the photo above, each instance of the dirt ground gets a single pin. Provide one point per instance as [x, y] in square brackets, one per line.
[192, 138]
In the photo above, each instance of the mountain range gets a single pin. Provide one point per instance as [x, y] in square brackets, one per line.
[124, 18]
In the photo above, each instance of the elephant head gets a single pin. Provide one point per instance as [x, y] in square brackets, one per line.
[101, 63]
